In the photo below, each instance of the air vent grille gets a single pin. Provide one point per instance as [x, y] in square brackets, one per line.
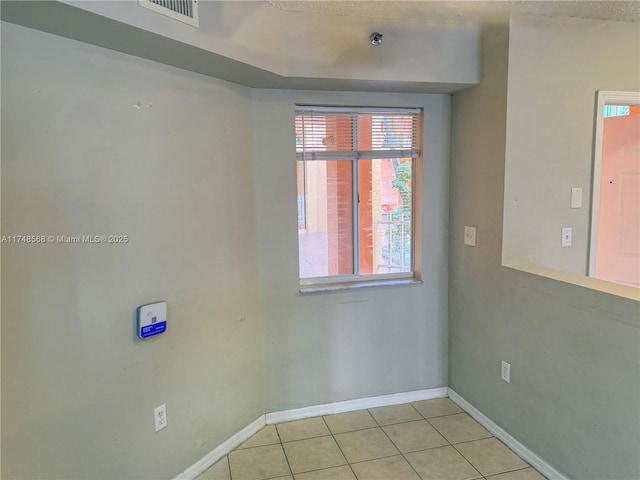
[183, 10]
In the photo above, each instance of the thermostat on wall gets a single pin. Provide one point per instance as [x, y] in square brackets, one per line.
[152, 319]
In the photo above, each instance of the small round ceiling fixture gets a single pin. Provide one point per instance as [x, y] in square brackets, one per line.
[375, 38]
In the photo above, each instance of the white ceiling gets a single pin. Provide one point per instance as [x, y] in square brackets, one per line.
[310, 44]
[454, 11]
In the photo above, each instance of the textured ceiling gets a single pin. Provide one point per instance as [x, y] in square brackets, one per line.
[453, 10]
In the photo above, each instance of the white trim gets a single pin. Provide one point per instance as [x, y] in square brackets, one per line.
[195, 470]
[336, 287]
[355, 404]
[604, 98]
[619, 289]
[337, 110]
[536, 462]
[339, 279]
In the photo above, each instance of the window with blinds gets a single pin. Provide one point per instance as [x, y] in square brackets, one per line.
[355, 177]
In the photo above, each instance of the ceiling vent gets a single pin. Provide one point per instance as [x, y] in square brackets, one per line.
[183, 10]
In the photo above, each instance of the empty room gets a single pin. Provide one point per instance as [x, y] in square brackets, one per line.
[342, 240]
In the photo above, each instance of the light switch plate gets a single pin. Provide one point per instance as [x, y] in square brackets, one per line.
[576, 198]
[566, 236]
[470, 236]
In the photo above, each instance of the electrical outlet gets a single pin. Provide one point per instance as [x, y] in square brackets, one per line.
[160, 417]
[505, 372]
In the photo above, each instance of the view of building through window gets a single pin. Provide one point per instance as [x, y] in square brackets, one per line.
[355, 198]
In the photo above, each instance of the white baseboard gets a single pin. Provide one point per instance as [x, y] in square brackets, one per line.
[356, 404]
[195, 470]
[534, 460]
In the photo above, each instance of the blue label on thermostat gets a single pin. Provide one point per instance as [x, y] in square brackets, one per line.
[151, 330]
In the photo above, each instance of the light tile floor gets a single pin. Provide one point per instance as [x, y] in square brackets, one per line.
[427, 440]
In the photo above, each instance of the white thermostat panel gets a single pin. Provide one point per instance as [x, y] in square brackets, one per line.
[152, 319]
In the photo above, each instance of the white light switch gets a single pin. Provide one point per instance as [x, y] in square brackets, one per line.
[470, 236]
[576, 198]
[566, 236]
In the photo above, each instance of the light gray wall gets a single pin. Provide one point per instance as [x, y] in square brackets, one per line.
[575, 362]
[556, 66]
[336, 346]
[95, 142]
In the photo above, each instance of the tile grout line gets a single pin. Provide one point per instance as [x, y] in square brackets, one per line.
[339, 447]
[283, 451]
[393, 443]
[468, 461]
[428, 423]
[454, 447]
[306, 438]
[498, 473]
[452, 444]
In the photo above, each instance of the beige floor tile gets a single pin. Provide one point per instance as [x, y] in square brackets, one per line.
[414, 436]
[395, 414]
[335, 473]
[436, 407]
[302, 429]
[390, 468]
[526, 474]
[266, 436]
[365, 445]
[443, 463]
[350, 421]
[218, 471]
[258, 463]
[459, 428]
[490, 456]
[313, 454]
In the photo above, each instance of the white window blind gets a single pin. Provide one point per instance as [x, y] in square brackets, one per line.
[329, 133]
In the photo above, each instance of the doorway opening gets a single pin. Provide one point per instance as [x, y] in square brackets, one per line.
[614, 253]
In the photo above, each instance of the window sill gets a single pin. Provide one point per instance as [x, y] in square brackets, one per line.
[345, 286]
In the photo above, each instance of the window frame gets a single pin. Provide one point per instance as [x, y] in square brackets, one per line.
[357, 280]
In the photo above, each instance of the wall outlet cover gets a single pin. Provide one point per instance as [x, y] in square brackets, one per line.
[160, 416]
[576, 197]
[505, 372]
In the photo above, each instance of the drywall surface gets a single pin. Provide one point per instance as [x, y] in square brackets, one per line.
[574, 352]
[99, 143]
[415, 50]
[342, 345]
[312, 44]
[248, 31]
[556, 66]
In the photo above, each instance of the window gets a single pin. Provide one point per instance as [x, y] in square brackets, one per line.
[355, 176]
[615, 111]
